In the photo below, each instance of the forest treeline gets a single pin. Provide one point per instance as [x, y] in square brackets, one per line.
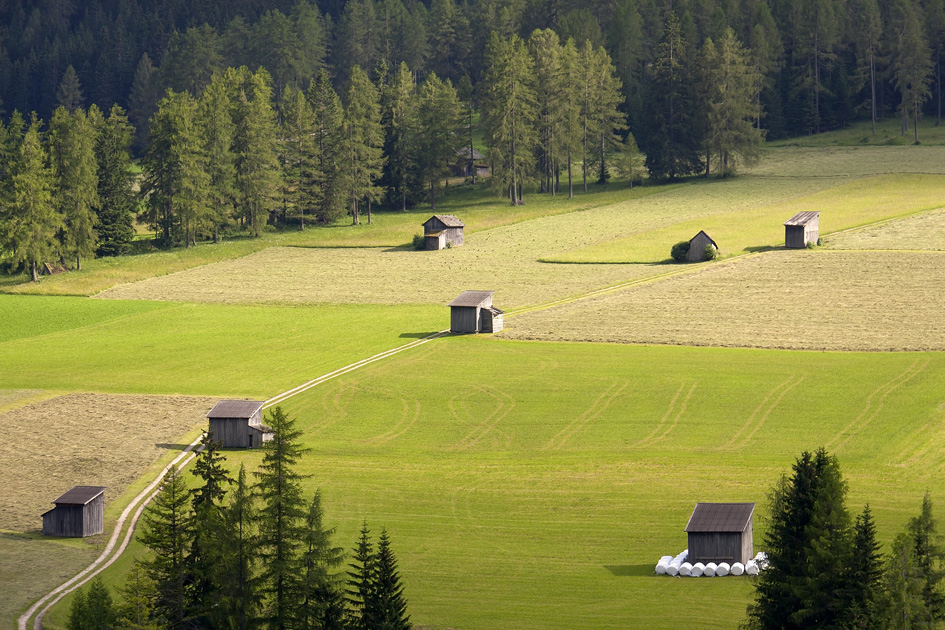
[825, 566]
[232, 554]
[820, 62]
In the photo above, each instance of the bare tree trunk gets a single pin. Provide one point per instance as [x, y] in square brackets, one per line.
[873, 88]
[570, 181]
[33, 270]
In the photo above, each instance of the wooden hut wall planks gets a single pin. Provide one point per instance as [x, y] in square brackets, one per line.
[721, 532]
[238, 424]
[473, 312]
[801, 229]
[441, 231]
[697, 246]
[78, 513]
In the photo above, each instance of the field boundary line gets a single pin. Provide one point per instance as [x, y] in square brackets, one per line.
[106, 558]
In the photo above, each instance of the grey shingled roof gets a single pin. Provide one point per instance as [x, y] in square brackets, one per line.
[447, 219]
[720, 517]
[235, 409]
[80, 495]
[472, 298]
[802, 218]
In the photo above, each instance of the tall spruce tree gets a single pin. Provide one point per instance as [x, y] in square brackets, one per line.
[930, 559]
[234, 574]
[321, 600]
[359, 593]
[69, 94]
[328, 116]
[866, 573]
[300, 158]
[281, 521]
[363, 141]
[215, 112]
[168, 533]
[905, 607]
[255, 144]
[389, 603]
[402, 139]
[116, 181]
[143, 98]
[439, 131]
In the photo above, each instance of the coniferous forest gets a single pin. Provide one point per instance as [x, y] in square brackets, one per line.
[247, 114]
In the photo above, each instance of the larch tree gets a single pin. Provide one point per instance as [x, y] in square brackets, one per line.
[605, 117]
[550, 91]
[904, 606]
[363, 142]
[72, 157]
[33, 219]
[401, 139]
[868, 37]
[215, 114]
[281, 521]
[116, 181]
[510, 109]
[440, 140]
[571, 102]
[912, 64]
[300, 158]
[328, 115]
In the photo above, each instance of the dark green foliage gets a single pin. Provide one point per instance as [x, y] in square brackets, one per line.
[399, 105]
[930, 560]
[679, 251]
[321, 602]
[362, 157]
[139, 594]
[359, 591]
[328, 115]
[115, 228]
[419, 241]
[710, 252]
[439, 124]
[92, 609]
[905, 607]
[866, 572]
[69, 94]
[389, 604]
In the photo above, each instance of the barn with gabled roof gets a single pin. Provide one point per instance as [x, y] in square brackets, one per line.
[238, 424]
[720, 532]
[441, 231]
[473, 312]
[801, 229]
[697, 246]
[78, 513]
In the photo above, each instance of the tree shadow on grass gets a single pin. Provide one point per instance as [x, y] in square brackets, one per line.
[630, 570]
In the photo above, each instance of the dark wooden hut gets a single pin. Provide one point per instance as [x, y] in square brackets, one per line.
[720, 532]
[473, 312]
[697, 246]
[462, 167]
[441, 231]
[801, 229]
[78, 513]
[238, 424]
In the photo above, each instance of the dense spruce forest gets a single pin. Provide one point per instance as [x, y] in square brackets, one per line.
[250, 114]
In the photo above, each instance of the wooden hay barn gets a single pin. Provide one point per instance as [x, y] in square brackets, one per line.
[78, 513]
[697, 246]
[462, 168]
[801, 229]
[473, 312]
[238, 424]
[720, 532]
[441, 231]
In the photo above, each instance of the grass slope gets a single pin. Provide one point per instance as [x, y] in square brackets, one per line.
[534, 485]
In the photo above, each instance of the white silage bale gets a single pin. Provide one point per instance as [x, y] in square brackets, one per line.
[673, 569]
[738, 568]
[751, 568]
[710, 569]
[684, 555]
[723, 569]
[662, 565]
[666, 559]
[685, 569]
[697, 570]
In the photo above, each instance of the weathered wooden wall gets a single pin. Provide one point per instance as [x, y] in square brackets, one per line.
[464, 319]
[76, 521]
[454, 236]
[717, 547]
[697, 247]
[231, 433]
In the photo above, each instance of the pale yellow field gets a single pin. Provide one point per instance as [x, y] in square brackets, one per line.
[925, 232]
[810, 300]
[85, 439]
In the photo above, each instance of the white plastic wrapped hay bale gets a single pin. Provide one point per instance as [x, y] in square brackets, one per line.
[684, 555]
[751, 568]
[663, 564]
[710, 570]
[738, 568]
[697, 570]
[723, 569]
[685, 569]
[673, 569]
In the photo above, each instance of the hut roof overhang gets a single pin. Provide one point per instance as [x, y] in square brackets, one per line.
[472, 298]
[711, 240]
[235, 409]
[446, 219]
[802, 218]
[80, 495]
[720, 517]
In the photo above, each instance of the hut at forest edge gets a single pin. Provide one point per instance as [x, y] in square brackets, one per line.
[720, 532]
[78, 513]
[441, 231]
[238, 424]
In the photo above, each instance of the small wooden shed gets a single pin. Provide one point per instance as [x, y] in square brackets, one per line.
[462, 168]
[238, 424]
[441, 231]
[801, 229]
[473, 312]
[697, 246]
[78, 513]
[720, 532]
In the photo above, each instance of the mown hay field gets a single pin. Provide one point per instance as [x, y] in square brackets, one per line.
[923, 232]
[801, 300]
[843, 206]
[534, 485]
[197, 349]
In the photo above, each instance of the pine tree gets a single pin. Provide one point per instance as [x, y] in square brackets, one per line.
[139, 593]
[868, 35]
[116, 196]
[322, 604]
[233, 574]
[930, 560]
[78, 611]
[215, 116]
[303, 195]
[912, 64]
[143, 98]
[328, 115]
[401, 144]
[99, 607]
[550, 91]
[72, 156]
[389, 603]
[33, 221]
[168, 533]
[281, 520]
[510, 109]
[359, 593]
[255, 145]
[866, 573]
[439, 131]
[69, 94]
[363, 141]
